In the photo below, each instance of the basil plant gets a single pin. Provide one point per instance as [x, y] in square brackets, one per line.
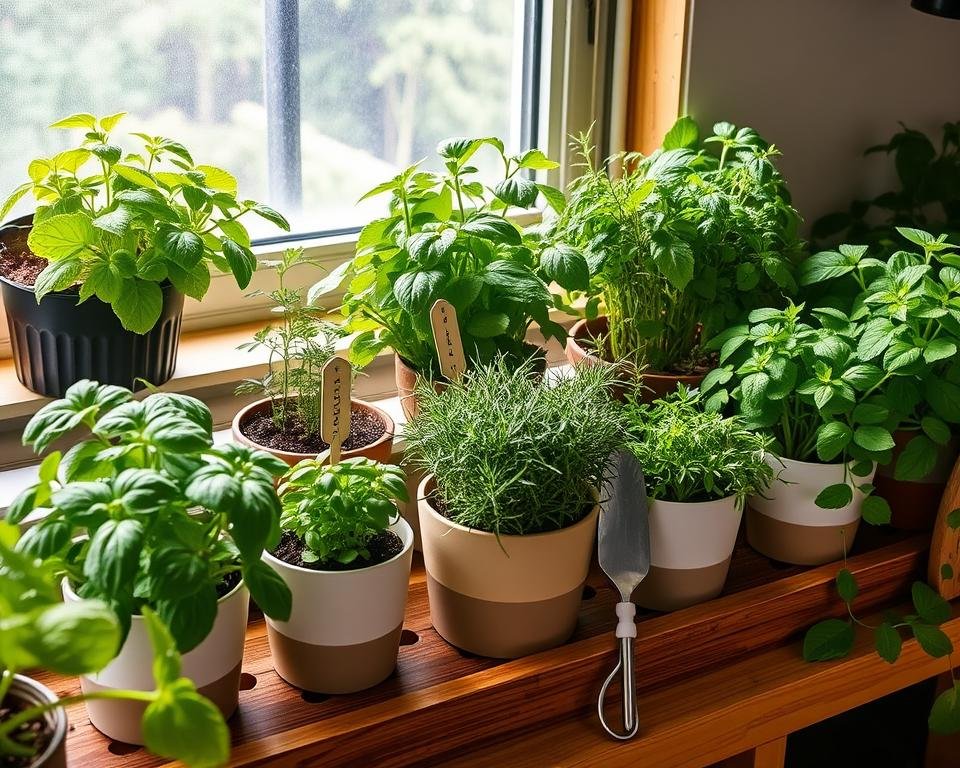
[907, 309]
[797, 377]
[146, 511]
[447, 236]
[118, 224]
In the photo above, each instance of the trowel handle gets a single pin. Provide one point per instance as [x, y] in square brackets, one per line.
[626, 632]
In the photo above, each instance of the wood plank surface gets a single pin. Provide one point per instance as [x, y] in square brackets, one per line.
[441, 699]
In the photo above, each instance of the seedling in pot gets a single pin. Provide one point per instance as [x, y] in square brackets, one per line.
[82, 637]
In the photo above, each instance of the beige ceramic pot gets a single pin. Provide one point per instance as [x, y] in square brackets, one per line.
[691, 545]
[788, 526]
[344, 629]
[213, 666]
[31, 693]
[503, 597]
[379, 450]
[406, 378]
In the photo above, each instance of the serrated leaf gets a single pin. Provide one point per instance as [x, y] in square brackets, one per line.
[79, 120]
[917, 460]
[219, 179]
[135, 175]
[493, 228]
[930, 606]
[847, 585]
[485, 325]
[932, 640]
[834, 496]
[888, 643]
[554, 197]
[832, 438]
[683, 134]
[62, 236]
[241, 260]
[826, 640]
[517, 190]
[139, 305]
[876, 510]
[873, 438]
[57, 276]
[939, 349]
[566, 266]
[416, 291]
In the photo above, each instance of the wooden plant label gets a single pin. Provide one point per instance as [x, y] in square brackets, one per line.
[943, 571]
[446, 334]
[335, 414]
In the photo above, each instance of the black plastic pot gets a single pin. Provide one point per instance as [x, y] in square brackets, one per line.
[60, 341]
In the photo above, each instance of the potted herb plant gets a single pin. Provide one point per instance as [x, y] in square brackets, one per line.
[345, 554]
[805, 387]
[679, 244]
[82, 637]
[699, 469]
[908, 308]
[508, 511]
[93, 282]
[447, 236]
[286, 421]
[119, 516]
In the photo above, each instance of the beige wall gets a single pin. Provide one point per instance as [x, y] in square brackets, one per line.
[823, 79]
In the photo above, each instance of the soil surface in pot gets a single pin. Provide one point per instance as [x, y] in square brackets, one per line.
[365, 428]
[439, 505]
[36, 733]
[17, 263]
[382, 547]
[228, 584]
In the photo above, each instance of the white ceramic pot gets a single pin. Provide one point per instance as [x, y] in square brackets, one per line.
[213, 666]
[787, 525]
[344, 629]
[691, 544]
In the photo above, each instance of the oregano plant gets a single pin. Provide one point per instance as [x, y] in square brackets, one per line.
[118, 224]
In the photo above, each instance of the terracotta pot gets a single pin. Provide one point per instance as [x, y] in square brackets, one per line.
[505, 596]
[379, 450]
[59, 341]
[655, 385]
[31, 693]
[406, 377]
[788, 526]
[344, 631]
[213, 666]
[410, 509]
[691, 544]
[914, 503]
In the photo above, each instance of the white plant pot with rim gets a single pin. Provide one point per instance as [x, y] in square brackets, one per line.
[691, 544]
[213, 666]
[788, 525]
[344, 629]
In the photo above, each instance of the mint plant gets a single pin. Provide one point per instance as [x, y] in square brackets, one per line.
[298, 349]
[119, 224]
[76, 638]
[689, 455]
[447, 236]
[119, 508]
[336, 510]
[803, 384]
[907, 308]
[681, 242]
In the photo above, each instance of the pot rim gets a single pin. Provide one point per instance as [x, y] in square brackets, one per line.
[58, 716]
[796, 462]
[69, 592]
[406, 538]
[423, 497]
[389, 429]
[731, 498]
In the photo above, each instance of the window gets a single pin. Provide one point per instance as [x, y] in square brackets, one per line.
[309, 102]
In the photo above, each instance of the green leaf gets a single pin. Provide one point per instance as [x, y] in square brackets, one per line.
[834, 496]
[104, 280]
[183, 247]
[826, 640]
[684, 134]
[517, 190]
[183, 725]
[166, 660]
[136, 176]
[936, 430]
[114, 555]
[485, 325]
[493, 228]
[194, 282]
[824, 266]
[869, 413]
[887, 641]
[535, 160]
[79, 120]
[933, 641]
[274, 217]
[13, 199]
[674, 259]
[219, 179]
[57, 276]
[189, 618]
[515, 281]
[416, 291]
[939, 349]
[873, 438]
[932, 608]
[916, 236]
[241, 260]
[877, 336]
[554, 197]
[832, 438]
[109, 122]
[62, 236]
[945, 713]
[876, 510]
[76, 638]
[268, 590]
[944, 398]
[862, 377]
[116, 221]
[847, 585]
[917, 460]
[139, 305]
[566, 266]
[364, 349]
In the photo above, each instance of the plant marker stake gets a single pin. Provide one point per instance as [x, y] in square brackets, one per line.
[446, 335]
[335, 404]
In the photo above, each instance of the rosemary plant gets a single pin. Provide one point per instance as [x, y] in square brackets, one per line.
[513, 453]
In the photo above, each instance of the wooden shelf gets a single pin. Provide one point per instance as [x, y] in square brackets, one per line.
[441, 700]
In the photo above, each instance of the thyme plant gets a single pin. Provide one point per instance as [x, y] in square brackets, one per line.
[689, 454]
[513, 453]
[298, 349]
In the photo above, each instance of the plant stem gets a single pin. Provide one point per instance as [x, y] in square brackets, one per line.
[34, 712]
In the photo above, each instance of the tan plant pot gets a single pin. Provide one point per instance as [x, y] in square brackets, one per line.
[32, 694]
[344, 629]
[505, 597]
[655, 385]
[788, 526]
[691, 545]
[213, 666]
[379, 450]
[406, 378]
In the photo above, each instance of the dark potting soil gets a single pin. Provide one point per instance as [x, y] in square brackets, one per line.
[36, 733]
[16, 261]
[227, 585]
[382, 547]
[365, 428]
